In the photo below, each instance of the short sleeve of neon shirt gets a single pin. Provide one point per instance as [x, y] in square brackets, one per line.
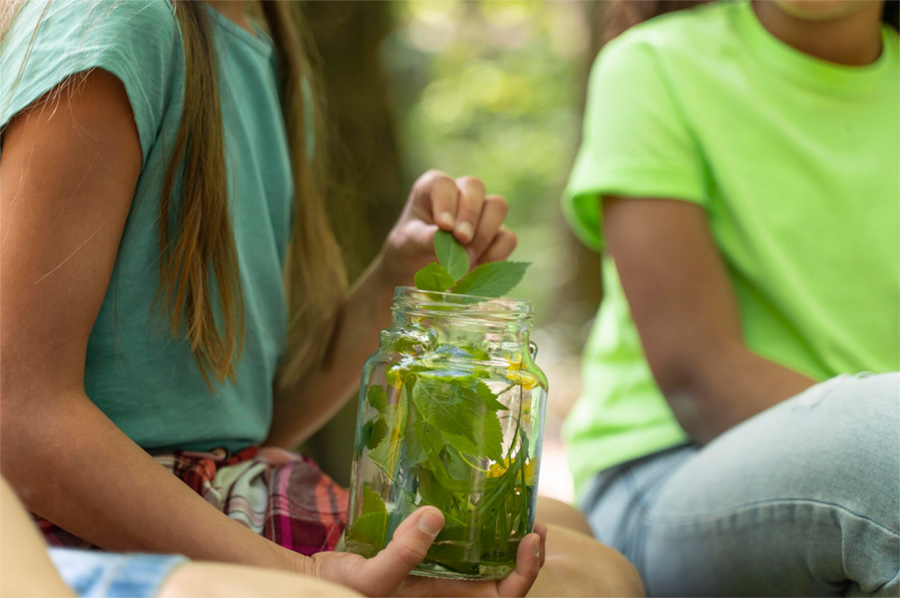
[635, 140]
[49, 42]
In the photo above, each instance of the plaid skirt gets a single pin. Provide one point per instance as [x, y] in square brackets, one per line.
[281, 495]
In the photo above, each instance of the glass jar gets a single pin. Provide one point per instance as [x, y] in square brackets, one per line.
[451, 414]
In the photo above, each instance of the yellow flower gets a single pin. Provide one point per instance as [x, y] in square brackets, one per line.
[498, 469]
[515, 374]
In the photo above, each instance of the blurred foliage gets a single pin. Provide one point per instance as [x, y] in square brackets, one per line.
[494, 89]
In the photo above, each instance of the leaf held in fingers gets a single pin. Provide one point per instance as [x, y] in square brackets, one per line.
[451, 255]
[434, 277]
[494, 279]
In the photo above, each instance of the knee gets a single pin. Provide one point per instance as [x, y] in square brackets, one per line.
[556, 512]
[849, 429]
[577, 565]
[864, 403]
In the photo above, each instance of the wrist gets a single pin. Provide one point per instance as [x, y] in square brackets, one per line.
[386, 274]
[293, 562]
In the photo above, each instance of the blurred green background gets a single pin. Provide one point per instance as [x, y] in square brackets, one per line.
[494, 89]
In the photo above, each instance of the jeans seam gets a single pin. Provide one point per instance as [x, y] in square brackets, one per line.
[113, 573]
[885, 584]
[709, 517]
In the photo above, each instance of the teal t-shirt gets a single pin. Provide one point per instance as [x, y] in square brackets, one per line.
[142, 378]
[796, 164]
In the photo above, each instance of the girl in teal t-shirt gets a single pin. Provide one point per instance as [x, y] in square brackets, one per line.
[174, 299]
[743, 162]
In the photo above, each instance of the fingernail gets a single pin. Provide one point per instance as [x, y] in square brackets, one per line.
[537, 550]
[430, 523]
[465, 230]
[446, 219]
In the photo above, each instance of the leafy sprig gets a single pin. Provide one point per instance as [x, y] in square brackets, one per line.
[451, 272]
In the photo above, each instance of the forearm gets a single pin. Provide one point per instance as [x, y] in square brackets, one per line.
[728, 385]
[688, 316]
[304, 408]
[71, 465]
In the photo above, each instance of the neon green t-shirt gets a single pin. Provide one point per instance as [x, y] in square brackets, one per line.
[796, 163]
[142, 378]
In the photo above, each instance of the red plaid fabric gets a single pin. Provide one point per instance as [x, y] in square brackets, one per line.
[281, 495]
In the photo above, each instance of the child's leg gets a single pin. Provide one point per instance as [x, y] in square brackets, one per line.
[25, 568]
[578, 565]
[231, 581]
[801, 499]
[555, 512]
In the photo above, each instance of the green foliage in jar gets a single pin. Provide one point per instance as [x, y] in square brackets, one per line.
[435, 433]
[442, 446]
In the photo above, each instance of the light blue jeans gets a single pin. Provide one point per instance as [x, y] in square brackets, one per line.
[95, 574]
[800, 500]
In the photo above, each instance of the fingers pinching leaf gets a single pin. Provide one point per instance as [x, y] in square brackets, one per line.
[494, 279]
[451, 255]
[434, 277]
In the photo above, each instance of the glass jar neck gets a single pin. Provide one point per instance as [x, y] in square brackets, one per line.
[500, 327]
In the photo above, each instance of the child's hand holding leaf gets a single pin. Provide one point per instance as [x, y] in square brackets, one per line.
[459, 207]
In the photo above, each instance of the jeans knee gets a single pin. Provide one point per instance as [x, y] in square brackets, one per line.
[846, 445]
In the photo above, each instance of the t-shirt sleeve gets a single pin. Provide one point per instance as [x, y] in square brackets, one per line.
[635, 140]
[137, 41]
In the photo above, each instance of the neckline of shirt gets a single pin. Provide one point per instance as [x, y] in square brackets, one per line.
[809, 69]
[260, 42]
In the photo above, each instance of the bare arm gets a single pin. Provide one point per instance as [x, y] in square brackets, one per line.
[687, 317]
[69, 170]
[301, 410]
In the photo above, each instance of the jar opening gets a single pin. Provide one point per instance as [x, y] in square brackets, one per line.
[452, 304]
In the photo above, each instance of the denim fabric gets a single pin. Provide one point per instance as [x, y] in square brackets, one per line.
[95, 574]
[802, 499]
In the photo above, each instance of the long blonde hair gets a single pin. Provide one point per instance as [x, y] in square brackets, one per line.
[199, 259]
